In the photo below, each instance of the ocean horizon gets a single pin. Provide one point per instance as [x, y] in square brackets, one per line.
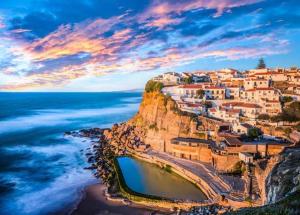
[41, 170]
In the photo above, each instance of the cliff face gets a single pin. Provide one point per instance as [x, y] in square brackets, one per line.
[284, 177]
[161, 121]
[279, 176]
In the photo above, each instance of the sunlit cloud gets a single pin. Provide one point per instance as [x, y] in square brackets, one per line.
[163, 36]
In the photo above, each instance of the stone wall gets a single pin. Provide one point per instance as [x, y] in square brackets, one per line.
[224, 163]
[200, 153]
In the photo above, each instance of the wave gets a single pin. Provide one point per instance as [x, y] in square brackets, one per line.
[61, 192]
[54, 117]
[67, 177]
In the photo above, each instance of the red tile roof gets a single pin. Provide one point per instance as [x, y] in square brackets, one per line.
[241, 104]
[192, 86]
[261, 88]
[214, 88]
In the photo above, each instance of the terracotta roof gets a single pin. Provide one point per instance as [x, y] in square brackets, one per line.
[214, 87]
[261, 88]
[241, 104]
[212, 110]
[192, 86]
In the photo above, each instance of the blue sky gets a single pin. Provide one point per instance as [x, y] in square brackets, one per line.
[105, 45]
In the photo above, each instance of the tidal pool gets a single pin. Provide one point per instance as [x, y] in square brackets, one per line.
[147, 178]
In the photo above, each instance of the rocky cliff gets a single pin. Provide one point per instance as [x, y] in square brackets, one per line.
[279, 176]
[156, 123]
[284, 177]
[161, 121]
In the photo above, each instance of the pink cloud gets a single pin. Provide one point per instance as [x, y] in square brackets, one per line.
[161, 9]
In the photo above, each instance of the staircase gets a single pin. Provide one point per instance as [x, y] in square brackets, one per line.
[253, 187]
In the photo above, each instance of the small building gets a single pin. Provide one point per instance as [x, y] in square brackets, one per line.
[228, 115]
[258, 94]
[169, 78]
[241, 128]
[246, 157]
[252, 83]
[249, 110]
[215, 92]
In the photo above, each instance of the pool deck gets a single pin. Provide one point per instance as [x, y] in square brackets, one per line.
[203, 174]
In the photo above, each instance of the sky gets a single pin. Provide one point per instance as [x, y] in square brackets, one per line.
[111, 45]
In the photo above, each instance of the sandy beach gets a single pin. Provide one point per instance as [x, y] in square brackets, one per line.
[94, 202]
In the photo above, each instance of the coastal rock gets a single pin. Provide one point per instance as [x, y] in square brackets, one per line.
[284, 177]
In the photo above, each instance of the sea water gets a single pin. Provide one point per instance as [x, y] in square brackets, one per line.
[41, 170]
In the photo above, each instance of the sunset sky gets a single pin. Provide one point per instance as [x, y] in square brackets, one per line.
[107, 45]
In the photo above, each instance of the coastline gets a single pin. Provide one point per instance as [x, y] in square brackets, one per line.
[93, 201]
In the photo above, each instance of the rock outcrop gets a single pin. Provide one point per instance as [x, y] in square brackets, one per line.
[284, 177]
[161, 120]
[279, 176]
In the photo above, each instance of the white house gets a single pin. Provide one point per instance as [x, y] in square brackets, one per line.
[215, 92]
[233, 92]
[249, 110]
[257, 94]
[246, 157]
[241, 128]
[252, 83]
[228, 115]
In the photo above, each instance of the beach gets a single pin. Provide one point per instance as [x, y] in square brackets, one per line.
[94, 202]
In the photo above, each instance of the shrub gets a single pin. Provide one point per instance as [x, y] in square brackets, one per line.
[238, 168]
[153, 126]
[285, 99]
[153, 86]
[188, 80]
[168, 168]
[264, 117]
[200, 93]
[254, 133]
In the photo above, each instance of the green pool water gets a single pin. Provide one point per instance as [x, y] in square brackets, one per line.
[146, 178]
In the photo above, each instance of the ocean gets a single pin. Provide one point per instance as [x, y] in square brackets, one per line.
[41, 170]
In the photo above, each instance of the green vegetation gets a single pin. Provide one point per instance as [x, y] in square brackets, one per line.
[286, 99]
[239, 168]
[200, 94]
[254, 133]
[153, 86]
[290, 113]
[261, 64]
[188, 80]
[153, 126]
[287, 206]
[263, 117]
[166, 99]
[168, 168]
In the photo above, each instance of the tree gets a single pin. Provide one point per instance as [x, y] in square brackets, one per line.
[200, 93]
[264, 117]
[188, 80]
[286, 99]
[254, 133]
[261, 64]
